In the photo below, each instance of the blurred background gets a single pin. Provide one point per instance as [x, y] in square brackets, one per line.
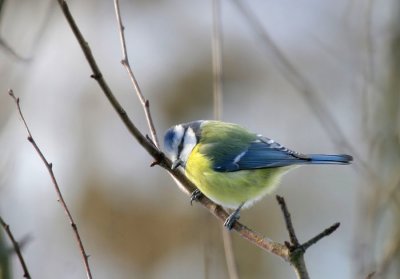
[317, 76]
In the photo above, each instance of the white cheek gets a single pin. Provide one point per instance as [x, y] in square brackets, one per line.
[189, 143]
[186, 152]
[172, 151]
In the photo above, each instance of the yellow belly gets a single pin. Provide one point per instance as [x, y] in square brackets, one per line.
[230, 189]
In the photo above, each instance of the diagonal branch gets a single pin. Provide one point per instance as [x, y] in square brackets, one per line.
[125, 62]
[161, 160]
[60, 197]
[17, 248]
[98, 76]
[321, 235]
[264, 243]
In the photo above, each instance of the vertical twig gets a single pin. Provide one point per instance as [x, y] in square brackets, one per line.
[288, 221]
[17, 249]
[217, 58]
[218, 108]
[229, 254]
[297, 250]
[296, 257]
[60, 198]
[125, 62]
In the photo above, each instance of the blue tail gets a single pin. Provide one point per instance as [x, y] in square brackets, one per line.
[340, 159]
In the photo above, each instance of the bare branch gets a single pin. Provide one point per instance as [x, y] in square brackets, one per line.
[16, 246]
[264, 243]
[217, 59]
[321, 235]
[161, 160]
[125, 62]
[60, 198]
[297, 250]
[98, 76]
[288, 221]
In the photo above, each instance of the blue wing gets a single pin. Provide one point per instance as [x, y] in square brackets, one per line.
[266, 153]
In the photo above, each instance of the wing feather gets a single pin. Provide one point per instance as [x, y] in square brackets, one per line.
[260, 153]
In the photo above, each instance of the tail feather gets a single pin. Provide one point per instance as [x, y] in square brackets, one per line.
[340, 159]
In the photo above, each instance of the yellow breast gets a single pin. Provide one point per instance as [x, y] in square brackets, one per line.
[230, 189]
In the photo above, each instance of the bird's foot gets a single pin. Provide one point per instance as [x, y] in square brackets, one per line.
[196, 195]
[232, 218]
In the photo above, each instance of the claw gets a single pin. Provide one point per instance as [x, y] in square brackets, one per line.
[196, 195]
[232, 218]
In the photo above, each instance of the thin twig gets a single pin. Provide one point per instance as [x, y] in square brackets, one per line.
[217, 58]
[218, 108]
[297, 250]
[229, 253]
[17, 248]
[161, 160]
[217, 99]
[125, 62]
[98, 76]
[321, 235]
[264, 243]
[60, 198]
[288, 221]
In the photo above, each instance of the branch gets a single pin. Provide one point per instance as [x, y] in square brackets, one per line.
[321, 235]
[264, 243]
[161, 160]
[297, 250]
[98, 76]
[60, 198]
[125, 62]
[17, 248]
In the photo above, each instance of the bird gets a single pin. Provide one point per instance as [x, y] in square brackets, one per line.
[232, 166]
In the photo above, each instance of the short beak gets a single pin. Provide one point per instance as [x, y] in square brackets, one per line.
[176, 163]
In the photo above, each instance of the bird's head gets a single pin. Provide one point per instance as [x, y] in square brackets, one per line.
[180, 140]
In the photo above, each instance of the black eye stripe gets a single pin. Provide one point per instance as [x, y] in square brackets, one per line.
[180, 146]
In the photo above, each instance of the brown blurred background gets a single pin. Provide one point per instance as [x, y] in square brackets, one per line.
[134, 221]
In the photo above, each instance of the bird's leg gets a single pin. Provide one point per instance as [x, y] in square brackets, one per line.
[233, 217]
[196, 195]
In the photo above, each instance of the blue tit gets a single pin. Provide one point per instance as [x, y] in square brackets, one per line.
[232, 166]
